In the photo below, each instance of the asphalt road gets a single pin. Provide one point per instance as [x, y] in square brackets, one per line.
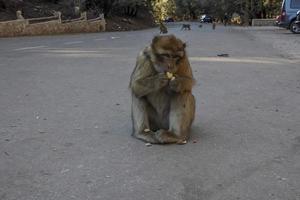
[65, 120]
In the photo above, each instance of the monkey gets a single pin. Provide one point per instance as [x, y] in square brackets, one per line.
[163, 28]
[214, 25]
[163, 106]
[186, 27]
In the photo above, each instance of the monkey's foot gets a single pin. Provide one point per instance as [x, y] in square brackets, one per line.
[166, 137]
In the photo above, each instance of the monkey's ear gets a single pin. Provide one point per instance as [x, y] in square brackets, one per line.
[184, 45]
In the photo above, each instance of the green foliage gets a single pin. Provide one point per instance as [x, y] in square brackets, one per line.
[102, 6]
[247, 9]
[130, 7]
[163, 8]
[192, 9]
[188, 9]
[180, 9]
[123, 7]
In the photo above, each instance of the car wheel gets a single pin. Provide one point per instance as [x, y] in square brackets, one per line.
[294, 28]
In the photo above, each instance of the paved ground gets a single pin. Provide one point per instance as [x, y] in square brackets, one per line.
[65, 120]
[281, 39]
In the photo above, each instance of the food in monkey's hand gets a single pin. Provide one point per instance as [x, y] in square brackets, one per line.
[170, 75]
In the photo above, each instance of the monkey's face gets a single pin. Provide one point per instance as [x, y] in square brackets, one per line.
[169, 52]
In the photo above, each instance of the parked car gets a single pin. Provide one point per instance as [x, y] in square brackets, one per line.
[169, 19]
[206, 19]
[296, 26]
[287, 17]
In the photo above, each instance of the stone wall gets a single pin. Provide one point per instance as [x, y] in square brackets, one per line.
[263, 22]
[12, 28]
[22, 27]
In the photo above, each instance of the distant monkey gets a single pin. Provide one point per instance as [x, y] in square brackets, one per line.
[214, 25]
[163, 106]
[186, 27]
[163, 28]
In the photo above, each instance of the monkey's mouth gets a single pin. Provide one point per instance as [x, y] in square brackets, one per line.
[161, 69]
[170, 69]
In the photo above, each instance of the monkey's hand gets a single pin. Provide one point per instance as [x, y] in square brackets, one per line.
[161, 81]
[144, 86]
[175, 85]
[181, 84]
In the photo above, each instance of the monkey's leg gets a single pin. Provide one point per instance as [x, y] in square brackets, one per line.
[144, 117]
[166, 137]
[140, 120]
[182, 114]
[181, 117]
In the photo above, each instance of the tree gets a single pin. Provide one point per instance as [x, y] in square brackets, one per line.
[102, 6]
[190, 9]
[12, 5]
[247, 9]
[116, 7]
[130, 7]
[163, 8]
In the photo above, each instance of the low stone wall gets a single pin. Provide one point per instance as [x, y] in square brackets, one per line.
[263, 22]
[21, 27]
[12, 28]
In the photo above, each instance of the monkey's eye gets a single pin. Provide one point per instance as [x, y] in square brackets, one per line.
[163, 56]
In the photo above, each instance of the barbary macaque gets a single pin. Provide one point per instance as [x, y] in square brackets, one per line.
[163, 29]
[186, 27]
[163, 106]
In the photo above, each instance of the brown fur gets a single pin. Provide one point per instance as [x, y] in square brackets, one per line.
[164, 106]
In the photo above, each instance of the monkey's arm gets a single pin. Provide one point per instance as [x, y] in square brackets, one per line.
[145, 79]
[147, 85]
[182, 84]
[184, 80]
